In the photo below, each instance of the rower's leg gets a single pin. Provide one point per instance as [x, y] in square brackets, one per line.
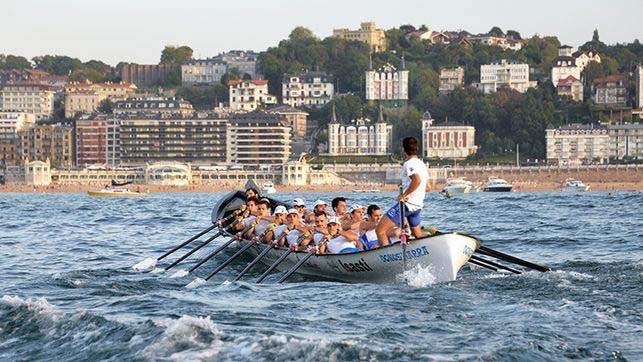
[382, 229]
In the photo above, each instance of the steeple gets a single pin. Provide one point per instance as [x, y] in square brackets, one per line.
[370, 61]
[380, 117]
[403, 62]
[333, 118]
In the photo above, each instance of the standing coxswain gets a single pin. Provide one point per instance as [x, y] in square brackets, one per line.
[415, 185]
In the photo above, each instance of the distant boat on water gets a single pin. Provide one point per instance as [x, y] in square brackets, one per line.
[497, 185]
[573, 185]
[268, 188]
[117, 189]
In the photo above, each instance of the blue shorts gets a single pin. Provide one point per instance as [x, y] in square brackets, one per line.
[349, 250]
[368, 244]
[413, 218]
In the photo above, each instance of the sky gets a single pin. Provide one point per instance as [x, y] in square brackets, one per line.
[137, 30]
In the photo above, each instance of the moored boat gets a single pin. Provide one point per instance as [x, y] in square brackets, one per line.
[118, 193]
[457, 186]
[268, 188]
[573, 185]
[495, 184]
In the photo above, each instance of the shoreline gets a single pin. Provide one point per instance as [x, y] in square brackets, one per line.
[519, 186]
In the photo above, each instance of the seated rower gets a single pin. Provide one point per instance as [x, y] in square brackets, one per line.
[262, 219]
[354, 219]
[300, 206]
[251, 208]
[321, 234]
[367, 227]
[319, 207]
[298, 235]
[343, 241]
[280, 221]
[339, 207]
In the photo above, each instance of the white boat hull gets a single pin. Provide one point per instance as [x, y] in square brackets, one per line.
[443, 254]
[583, 188]
[457, 189]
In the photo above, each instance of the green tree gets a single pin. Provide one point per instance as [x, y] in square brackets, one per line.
[204, 97]
[14, 62]
[106, 106]
[57, 64]
[176, 55]
[496, 31]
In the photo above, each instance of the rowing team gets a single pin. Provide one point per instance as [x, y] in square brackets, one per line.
[345, 230]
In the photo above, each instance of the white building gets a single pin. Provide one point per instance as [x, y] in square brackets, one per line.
[387, 84]
[360, 138]
[626, 140]
[258, 138]
[206, 71]
[245, 61]
[447, 140]
[639, 86]
[583, 57]
[577, 143]
[11, 122]
[309, 89]
[505, 75]
[28, 98]
[249, 94]
[450, 79]
[565, 65]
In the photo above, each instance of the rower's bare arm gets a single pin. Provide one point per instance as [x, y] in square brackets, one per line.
[351, 236]
[428, 187]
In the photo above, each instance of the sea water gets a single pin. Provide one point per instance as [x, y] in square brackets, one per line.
[69, 292]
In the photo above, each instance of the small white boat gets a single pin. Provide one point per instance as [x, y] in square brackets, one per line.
[573, 185]
[118, 193]
[457, 186]
[366, 190]
[268, 188]
[495, 184]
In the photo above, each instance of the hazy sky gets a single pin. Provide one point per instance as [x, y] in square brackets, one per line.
[137, 30]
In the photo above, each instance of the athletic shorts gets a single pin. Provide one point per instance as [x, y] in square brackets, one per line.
[368, 244]
[413, 217]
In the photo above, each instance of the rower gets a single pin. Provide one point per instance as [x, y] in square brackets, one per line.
[251, 192]
[262, 220]
[415, 186]
[343, 241]
[367, 227]
[297, 229]
[354, 219]
[280, 220]
[251, 207]
[339, 207]
[319, 207]
[300, 206]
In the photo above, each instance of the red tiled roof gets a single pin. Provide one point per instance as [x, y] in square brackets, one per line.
[89, 85]
[253, 81]
[615, 78]
[570, 79]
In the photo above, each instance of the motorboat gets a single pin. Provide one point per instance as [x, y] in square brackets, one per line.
[268, 188]
[457, 186]
[495, 184]
[573, 185]
[118, 193]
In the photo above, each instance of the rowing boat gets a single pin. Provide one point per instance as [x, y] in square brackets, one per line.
[443, 254]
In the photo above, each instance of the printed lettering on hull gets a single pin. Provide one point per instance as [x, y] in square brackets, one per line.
[410, 254]
[360, 266]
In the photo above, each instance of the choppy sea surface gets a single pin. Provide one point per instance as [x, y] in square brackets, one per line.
[68, 291]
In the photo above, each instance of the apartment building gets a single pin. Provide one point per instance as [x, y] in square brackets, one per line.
[451, 79]
[27, 98]
[85, 97]
[250, 94]
[258, 138]
[577, 143]
[447, 140]
[505, 74]
[153, 106]
[10, 124]
[53, 142]
[98, 141]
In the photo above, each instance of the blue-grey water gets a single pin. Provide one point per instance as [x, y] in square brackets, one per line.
[68, 291]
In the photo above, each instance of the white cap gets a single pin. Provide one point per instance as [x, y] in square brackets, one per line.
[333, 219]
[281, 209]
[293, 211]
[355, 207]
[320, 202]
[299, 202]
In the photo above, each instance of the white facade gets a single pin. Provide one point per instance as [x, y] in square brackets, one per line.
[361, 139]
[450, 79]
[639, 86]
[584, 57]
[576, 143]
[36, 99]
[565, 66]
[12, 122]
[447, 141]
[249, 94]
[626, 140]
[310, 89]
[387, 83]
[505, 75]
[208, 71]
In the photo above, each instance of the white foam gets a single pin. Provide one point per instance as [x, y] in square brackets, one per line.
[195, 283]
[145, 265]
[186, 339]
[40, 306]
[179, 274]
[418, 277]
[157, 271]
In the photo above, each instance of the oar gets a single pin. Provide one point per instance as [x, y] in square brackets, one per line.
[302, 261]
[260, 256]
[218, 250]
[219, 223]
[489, 262]
[281, 258]
[188, 241]
[511, 259]
[483, 265]
[403, 240]
[241, 251]
[227, 229]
